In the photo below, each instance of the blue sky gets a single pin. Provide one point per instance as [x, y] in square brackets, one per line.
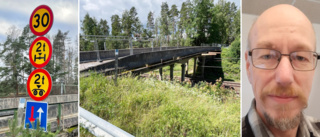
[106, 8]
[18, 12]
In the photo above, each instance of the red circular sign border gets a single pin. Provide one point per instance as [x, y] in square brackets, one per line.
[50, 24]
[49, 88]
[50, 52]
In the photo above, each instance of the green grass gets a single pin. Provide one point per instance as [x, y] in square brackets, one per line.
[148, 107]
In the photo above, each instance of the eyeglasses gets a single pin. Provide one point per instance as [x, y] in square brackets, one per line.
[269, 59]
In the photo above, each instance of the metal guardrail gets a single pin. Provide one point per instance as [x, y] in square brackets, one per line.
[98, 126]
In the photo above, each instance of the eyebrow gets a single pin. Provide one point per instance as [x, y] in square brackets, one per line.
[265, 44]
[298, 47]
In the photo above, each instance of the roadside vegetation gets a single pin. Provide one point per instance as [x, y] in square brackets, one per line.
[162, 108]
[231, 61]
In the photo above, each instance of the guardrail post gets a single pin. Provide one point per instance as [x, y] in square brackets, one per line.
[116, 67]
[152, 44]
[160, 46]
[98, 54]
[131, 49]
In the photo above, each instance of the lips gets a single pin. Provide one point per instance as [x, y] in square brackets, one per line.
[283, 99]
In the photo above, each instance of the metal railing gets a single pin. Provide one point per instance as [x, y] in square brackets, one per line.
[98, 126]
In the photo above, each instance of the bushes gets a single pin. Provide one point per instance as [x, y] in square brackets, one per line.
[231, 61]
[160, 108]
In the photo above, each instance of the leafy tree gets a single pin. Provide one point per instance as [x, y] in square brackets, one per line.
[12, 55]
[150, 24]
[58, 57]
[164, 21]
[103, 28]
[130, 22]
[202, 17]
[185, 23]
[89, 25]
[116, 25]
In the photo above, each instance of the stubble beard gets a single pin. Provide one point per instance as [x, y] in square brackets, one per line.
[283, 121]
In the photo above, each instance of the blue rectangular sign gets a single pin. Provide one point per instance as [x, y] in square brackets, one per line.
[34, 111]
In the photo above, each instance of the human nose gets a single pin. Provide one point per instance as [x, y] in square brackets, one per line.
[284, 72]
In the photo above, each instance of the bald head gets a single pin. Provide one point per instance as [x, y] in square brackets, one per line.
[282, 18]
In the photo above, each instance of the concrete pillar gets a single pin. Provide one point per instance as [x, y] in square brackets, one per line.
[203, 64]
[183, 70]
[160, 73]
[105, 47]
[187, 67]
[194, 66]
[171, 71]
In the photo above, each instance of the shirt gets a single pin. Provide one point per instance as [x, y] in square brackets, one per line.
[252, 125]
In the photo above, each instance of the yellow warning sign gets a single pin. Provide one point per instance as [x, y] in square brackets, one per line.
[39, 84]
[40, 52]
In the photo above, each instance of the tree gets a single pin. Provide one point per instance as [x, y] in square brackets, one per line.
[185, 23]
[58, 57]
[89, 25]
[164, 20]
[150, 24]
[13, 59]
[173, 16]
[116, 25]
[130, 22]
[202, 20]
[103, 28]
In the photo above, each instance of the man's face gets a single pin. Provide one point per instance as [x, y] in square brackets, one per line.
[281, 93]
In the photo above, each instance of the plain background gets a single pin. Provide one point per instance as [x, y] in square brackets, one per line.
[251, 9]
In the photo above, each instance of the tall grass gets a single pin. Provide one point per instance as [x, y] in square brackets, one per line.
[148, 107]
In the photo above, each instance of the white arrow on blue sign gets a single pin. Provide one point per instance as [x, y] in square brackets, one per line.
[34, 111]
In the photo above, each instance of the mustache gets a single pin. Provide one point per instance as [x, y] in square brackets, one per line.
[284, 92]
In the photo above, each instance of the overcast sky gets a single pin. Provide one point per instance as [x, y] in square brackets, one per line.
[106, 8]
[18, 12]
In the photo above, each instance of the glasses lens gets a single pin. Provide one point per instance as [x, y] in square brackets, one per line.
[303, 60]
[265, 58]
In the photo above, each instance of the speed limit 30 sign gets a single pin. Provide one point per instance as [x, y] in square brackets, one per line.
[39, 84]
[41, 20]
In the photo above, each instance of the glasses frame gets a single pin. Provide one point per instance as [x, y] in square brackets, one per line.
[317, 58]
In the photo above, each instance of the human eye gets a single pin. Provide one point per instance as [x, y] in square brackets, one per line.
[266, 56]
[301, 59]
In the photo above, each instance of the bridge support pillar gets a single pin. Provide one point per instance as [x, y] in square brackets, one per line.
[171, 71]
[187, 67]
[183, 70]
[160, 73]
[203, 64]
[194, 66]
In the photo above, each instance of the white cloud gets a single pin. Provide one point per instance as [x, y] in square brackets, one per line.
[64, 11]
[4, 26]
